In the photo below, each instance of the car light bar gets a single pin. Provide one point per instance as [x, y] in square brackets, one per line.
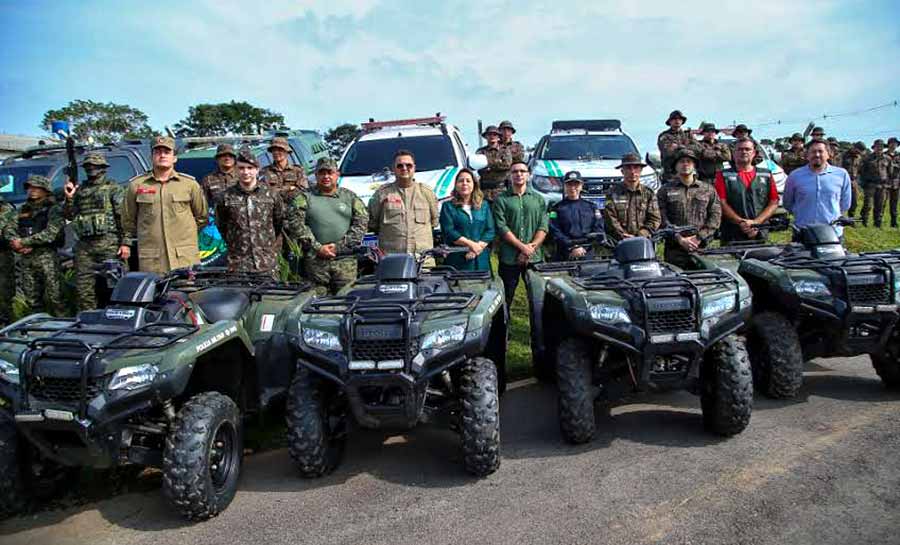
[362, 365]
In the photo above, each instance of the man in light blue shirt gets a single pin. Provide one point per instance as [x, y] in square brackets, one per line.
[817, 192]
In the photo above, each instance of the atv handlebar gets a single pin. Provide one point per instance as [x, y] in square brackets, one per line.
[589, 240]
[670, 232]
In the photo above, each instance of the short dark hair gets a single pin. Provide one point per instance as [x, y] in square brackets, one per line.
[743, 139]
[404, 153]
[520, 162]
[815, 141]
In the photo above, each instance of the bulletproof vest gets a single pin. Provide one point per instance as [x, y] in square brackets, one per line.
[36, 221]
[747, 202]
[96, 215]
[329, 217]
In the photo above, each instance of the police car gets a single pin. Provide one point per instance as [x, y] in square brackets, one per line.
[592, 147]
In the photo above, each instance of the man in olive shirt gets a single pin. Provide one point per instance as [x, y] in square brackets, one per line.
[404, 212]
[328, 220]
[710, 153]
[225, 176]
[164, 210]
[631, 209]
[522, 223]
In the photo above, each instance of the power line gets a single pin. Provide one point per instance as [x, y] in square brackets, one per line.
[892, 104]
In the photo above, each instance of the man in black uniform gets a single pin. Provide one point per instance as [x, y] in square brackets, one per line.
[572, 218]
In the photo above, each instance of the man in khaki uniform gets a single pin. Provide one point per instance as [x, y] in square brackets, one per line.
[164, 210]
[281, 175]
[403, 213]
[631, 209]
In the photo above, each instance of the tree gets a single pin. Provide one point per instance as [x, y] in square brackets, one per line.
[227, 118]
[340, 137]
[103, 122]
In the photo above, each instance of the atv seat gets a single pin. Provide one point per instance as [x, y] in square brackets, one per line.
[221, 303]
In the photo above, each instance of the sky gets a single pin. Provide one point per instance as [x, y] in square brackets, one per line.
[321, 63]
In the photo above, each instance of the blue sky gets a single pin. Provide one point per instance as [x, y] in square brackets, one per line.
[321, 63]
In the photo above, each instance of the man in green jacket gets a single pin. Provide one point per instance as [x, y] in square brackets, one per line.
[521, 222]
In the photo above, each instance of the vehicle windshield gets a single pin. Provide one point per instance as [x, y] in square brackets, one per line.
[370, 156]
[572, 147]
[12, 179]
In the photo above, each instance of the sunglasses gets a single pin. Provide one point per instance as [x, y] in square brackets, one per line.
[404, 165]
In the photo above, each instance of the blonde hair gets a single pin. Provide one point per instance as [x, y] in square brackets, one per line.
[477, 195]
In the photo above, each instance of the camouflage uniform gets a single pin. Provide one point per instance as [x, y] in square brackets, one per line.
[40, 228]
[632, 211]
[215, 183]
[317, 219]
[792, 159]
[852, 163]
[288, 181]
[875, 176]
[249, 221]
[695, 204]
[9, 220]
[492, 179]
[96, 215]
[669, 142]
[834, 152]
[515, 148]
[710, 156]
[893, 185]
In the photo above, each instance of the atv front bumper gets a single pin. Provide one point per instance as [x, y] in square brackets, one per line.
[841, 330]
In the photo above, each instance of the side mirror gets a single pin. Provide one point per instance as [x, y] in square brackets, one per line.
[477, 161]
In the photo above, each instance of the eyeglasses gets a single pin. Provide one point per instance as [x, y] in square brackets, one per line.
[518, 171]
[401, 166]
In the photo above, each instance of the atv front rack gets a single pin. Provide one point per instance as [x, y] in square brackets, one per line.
[67, 344]
[348, 304]
[879, 263]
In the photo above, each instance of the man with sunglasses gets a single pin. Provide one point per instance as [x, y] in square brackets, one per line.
[404, 212]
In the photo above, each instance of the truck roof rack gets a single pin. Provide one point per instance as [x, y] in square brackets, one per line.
[600, 125]
[372, 125]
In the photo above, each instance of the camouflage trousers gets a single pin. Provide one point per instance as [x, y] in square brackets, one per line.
[41, 282]
[892, 194]
[855, 192]
[88, 254]
[330, 275]
[873, 200]
[7, 285]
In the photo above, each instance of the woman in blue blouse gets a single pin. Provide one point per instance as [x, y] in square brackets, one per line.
[466, 220]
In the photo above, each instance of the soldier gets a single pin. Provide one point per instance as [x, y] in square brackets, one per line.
[164, 211]
[329, 222]
[743, 131]
[893, 186]
[95, 210]
[404, 212]
[225, 175]
[875, 176]
[671, 140]
[281, 175]
[795, 157]
[36, 236]
[818, 133]
[710, 153]
[852, 163]
[516, 149]
[747, 193]
[9, 220]
[631, 209]
[688, 201]
[493, 177]
[834, 151]
[249, 214]
[573, 217]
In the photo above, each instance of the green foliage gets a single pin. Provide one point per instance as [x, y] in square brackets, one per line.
[227, 118]
[104, 122]
[340, 137]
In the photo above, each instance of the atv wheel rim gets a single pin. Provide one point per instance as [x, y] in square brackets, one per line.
[221, 455]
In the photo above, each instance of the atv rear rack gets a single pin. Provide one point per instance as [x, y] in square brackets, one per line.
[81, 352]
[258, 283]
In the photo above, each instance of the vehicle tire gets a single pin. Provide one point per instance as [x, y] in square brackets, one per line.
[203, 455]
[13, 497]
[480, 417]
[727, 393]
[574, 378]
[313, 443]
[887, 365]
[776, 356]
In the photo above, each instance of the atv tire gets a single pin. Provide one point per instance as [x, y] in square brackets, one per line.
[726, 396]
[775, 356]
[13, 497]
[313, 443]
[574, 378]
[203, 455]
[480, 417]
[887, 365]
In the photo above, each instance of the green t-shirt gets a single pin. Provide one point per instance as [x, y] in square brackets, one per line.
[524, 215]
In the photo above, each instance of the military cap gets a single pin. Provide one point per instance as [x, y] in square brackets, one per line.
[859, 146]
[832, 140]
[279, 142]
[893, 140]
[631, 159]
[573, 176]
[744, 128]
[708, 127]
[225, 149]
[247, 156]
[878, 142]
[818, 130]
[326, 163]
[683, 152]
[490, 129]
[676, 114]
[507, 125]
[95, 159]
[797, 136]
[36, 180]
[164, 142]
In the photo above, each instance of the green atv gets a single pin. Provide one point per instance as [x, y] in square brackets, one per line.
[811, 299]
[161, 377]
[634, 323]
[403, 346]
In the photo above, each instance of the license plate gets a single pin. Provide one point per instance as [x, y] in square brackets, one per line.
[378, 332]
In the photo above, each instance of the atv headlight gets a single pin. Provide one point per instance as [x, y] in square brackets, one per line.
[444, 337]
[610, 314]
[9, 372]
[323, 340]
[131, 378]
[718, 305]
[814, 288]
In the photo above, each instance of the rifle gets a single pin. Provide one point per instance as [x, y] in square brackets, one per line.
[73, 163]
